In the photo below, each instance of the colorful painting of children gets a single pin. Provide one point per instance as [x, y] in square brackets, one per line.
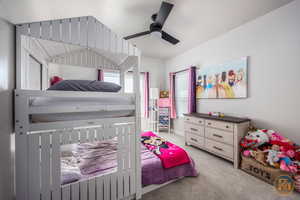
[228, 80]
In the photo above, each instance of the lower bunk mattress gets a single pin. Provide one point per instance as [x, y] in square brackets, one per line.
[82, 161]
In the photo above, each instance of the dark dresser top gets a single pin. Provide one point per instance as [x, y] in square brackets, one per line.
[224, 119]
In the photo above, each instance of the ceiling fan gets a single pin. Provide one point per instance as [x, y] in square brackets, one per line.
[157, 25]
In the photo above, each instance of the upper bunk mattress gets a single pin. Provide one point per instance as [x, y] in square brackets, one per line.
[57, 102]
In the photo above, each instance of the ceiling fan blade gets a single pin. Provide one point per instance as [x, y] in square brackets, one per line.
[163, 13]
[137, 35]
[169, 38]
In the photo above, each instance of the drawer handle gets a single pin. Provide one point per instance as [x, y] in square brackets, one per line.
[193, 139]
[193, 129]
[220, 149]
[227, 126]
[219, 136]
[187, 119]
[209, 123]
[200, 122]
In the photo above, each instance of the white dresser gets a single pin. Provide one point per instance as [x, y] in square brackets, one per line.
[220, 136]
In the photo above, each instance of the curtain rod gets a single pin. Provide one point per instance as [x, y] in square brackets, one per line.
[183, 70]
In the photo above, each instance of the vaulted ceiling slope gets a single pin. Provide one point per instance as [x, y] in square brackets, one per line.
[191, 21]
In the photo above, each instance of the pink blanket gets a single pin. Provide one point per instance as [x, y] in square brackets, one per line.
[170, 154]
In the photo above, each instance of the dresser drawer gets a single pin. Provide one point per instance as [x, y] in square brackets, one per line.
[219, 148]
[219, 135]
[195, 129]
[194, 120]
[194, 139]
[220, 125]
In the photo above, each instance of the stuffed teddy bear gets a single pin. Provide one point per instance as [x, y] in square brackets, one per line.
[254, 139]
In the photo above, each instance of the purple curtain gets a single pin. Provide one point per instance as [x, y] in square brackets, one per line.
[100, 75]
[172, 96]
[192, 90]
[146, 94]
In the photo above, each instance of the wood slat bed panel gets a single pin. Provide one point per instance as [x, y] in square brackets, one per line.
[83, 135]
[66, 192]
[46, 30]
[106, 188]
[113, 187]
[65, 136]
[132, 159]
[35, 29]
[45, 167]
[98, 35]
[99, 133]
[75, 31]
[120, 162]
[84, 190]
[75, 191]
[126, 183]
[91, 32]
[56, 190]
[99, 188]
[92, 189]
[34, 167]
[65, 31]
[83, 31]
[75, 136]
[91, 135]
[56, 33]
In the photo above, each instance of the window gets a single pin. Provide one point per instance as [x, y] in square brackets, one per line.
[181, 93]
[113, 77]
[129, 87]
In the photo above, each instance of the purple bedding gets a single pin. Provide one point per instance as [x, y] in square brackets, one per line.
[91, 159]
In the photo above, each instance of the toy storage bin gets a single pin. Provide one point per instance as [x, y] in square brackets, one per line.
[265, 173]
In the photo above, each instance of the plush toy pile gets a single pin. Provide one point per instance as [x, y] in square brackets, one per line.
[272, 149]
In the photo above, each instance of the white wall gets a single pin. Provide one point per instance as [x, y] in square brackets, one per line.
[7, 84]
[156, 68]
[273, 44]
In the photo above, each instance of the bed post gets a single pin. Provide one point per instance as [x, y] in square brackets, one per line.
[136, 72]
[122, 80]
[18, 58]
[21, 129]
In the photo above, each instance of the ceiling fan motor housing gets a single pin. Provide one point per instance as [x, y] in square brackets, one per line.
[155, 27]
[153, 17]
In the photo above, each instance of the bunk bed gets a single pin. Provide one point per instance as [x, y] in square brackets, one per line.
[45, 120]
[49, 122]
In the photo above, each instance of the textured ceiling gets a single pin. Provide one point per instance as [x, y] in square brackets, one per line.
[191, 21]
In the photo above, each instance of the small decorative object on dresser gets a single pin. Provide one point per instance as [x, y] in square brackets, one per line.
[218, 135]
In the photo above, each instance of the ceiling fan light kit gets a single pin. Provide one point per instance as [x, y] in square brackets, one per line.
[155, 28]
